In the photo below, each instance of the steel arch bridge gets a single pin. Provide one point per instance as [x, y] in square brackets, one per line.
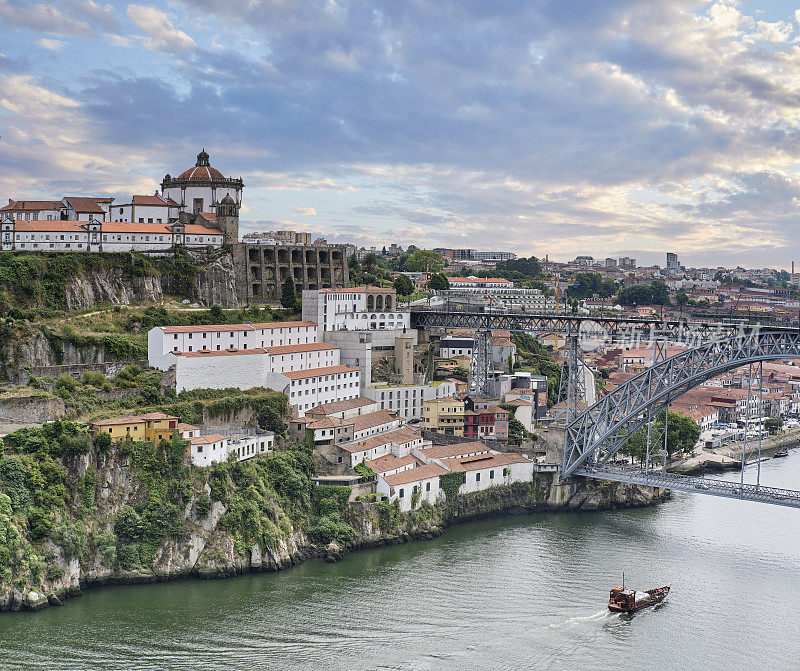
[593, 437]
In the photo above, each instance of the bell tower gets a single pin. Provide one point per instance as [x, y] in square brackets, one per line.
[228, 220]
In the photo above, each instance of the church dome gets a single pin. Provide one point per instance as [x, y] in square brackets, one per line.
[202, 171]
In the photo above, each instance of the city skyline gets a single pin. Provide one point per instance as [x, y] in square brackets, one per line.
[615, 131]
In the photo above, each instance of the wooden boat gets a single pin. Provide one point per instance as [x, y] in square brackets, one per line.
[780, 453]
[629, 600]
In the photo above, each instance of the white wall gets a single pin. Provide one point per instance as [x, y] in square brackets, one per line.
[429, 488]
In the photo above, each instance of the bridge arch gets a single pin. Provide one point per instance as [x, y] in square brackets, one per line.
[601, 430]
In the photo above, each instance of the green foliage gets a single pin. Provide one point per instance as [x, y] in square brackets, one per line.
[450, 483]
[438, 282]
[655, 293]
[289, 299]
[95, 379]
[202, 506]
[403, 285]
[271, 419]
[773, 424]
[420, 261]
[364, 471]
[330, 528]
[528, 267]
[589, 284]
[102, 442]
[388, 515]
[14, 478]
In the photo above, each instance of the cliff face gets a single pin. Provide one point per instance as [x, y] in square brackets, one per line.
[214, 284]
[227, 520]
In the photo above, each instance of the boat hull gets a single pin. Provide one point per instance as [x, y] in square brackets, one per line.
[654, 596]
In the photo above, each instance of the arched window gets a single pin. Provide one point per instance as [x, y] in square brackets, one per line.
[379, 302]
[388, 302]
[370, 302]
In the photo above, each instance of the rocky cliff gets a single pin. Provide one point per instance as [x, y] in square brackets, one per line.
[138, 513]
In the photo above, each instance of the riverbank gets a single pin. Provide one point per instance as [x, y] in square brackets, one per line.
[729, 457]
[207, 545]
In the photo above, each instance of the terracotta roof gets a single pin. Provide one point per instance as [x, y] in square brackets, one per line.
[85, 205]
[304, 347]
[197, 229]
[132, 419]
[389, 462]
[134, 227]
[399, 436]
[458, 450]
[182, 426]
[206, 327]
[481, 461]
[316, 372]
[324, 423]
[282, 325]
[32, 205]
[220, 352]
[204, 440]
[373, 419]
[340, 406]
[115, 421]
[356, 290]
[474, 280]
[149, 200]
[157, 415]
[202, 173]
[414, 475]
[46, 226]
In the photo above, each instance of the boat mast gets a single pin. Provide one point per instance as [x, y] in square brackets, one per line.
[623, 580]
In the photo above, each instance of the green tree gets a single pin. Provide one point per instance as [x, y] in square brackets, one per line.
[681, 299]
[288, 295]
[659, 293]
[682, 432]
[403, 285]
[424, 261]
[773, 424]
[270, 419]
[216, 315]
[439, 282]
[530, 267]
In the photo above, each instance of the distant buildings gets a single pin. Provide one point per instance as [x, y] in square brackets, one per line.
[489, 257]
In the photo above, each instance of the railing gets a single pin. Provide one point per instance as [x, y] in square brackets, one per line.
[687, 483]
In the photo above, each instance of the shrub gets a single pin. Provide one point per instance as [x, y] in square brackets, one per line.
[40, 523]
[202, 506]
[66, 382]
[102, 441]
[14, 474]
[94, 379]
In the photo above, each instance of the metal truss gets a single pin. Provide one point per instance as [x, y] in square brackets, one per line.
[597, 434]
[480, 368]
[572, 385]
[613, 328]
[687, 483]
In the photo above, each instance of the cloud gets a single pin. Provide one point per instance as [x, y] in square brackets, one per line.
[162, 35]
[525, 126]
[40, 17]
[49, 43]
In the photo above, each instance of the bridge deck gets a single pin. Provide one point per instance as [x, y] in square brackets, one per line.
[688, 483]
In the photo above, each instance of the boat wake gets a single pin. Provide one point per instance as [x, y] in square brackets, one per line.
[571, 622]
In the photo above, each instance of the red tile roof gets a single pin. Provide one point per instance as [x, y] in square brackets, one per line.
[85, 205]
[389, 462]
[206, 327]
[205, 440]
[281, 325]
[220, 352]
[414, 475]
[149, 200]
[458, 450]
[202, 173]
[317, 372]
[481, 461]
[340, 406]
[32, 205]
[305, 347]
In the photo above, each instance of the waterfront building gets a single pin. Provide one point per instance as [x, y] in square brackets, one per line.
[407, 399]
[444, 415]
[215, 447]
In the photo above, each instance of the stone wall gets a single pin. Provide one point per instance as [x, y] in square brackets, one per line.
[261, 270]
[31, 409]
[108, 368]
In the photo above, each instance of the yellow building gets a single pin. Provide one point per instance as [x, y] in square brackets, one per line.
[154, 426]
[445, 415]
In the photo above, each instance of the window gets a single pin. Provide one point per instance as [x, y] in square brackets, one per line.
[491, 475]
[477, 477]
[401, 493]
[427, 486]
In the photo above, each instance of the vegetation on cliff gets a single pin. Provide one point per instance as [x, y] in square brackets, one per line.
[120, 510]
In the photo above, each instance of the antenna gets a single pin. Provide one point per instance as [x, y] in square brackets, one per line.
[623, 580]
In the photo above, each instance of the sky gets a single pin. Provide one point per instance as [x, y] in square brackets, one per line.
[545, 127]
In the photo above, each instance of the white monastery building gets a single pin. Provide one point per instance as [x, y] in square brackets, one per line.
[198, 210]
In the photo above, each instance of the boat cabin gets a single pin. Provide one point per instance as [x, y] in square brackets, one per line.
[624, 598]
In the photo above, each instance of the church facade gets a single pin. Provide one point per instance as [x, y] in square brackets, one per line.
[197, 210]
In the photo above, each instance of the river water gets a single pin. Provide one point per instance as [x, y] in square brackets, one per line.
[514, 593]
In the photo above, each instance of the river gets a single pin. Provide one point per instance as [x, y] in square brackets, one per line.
[514, 593]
